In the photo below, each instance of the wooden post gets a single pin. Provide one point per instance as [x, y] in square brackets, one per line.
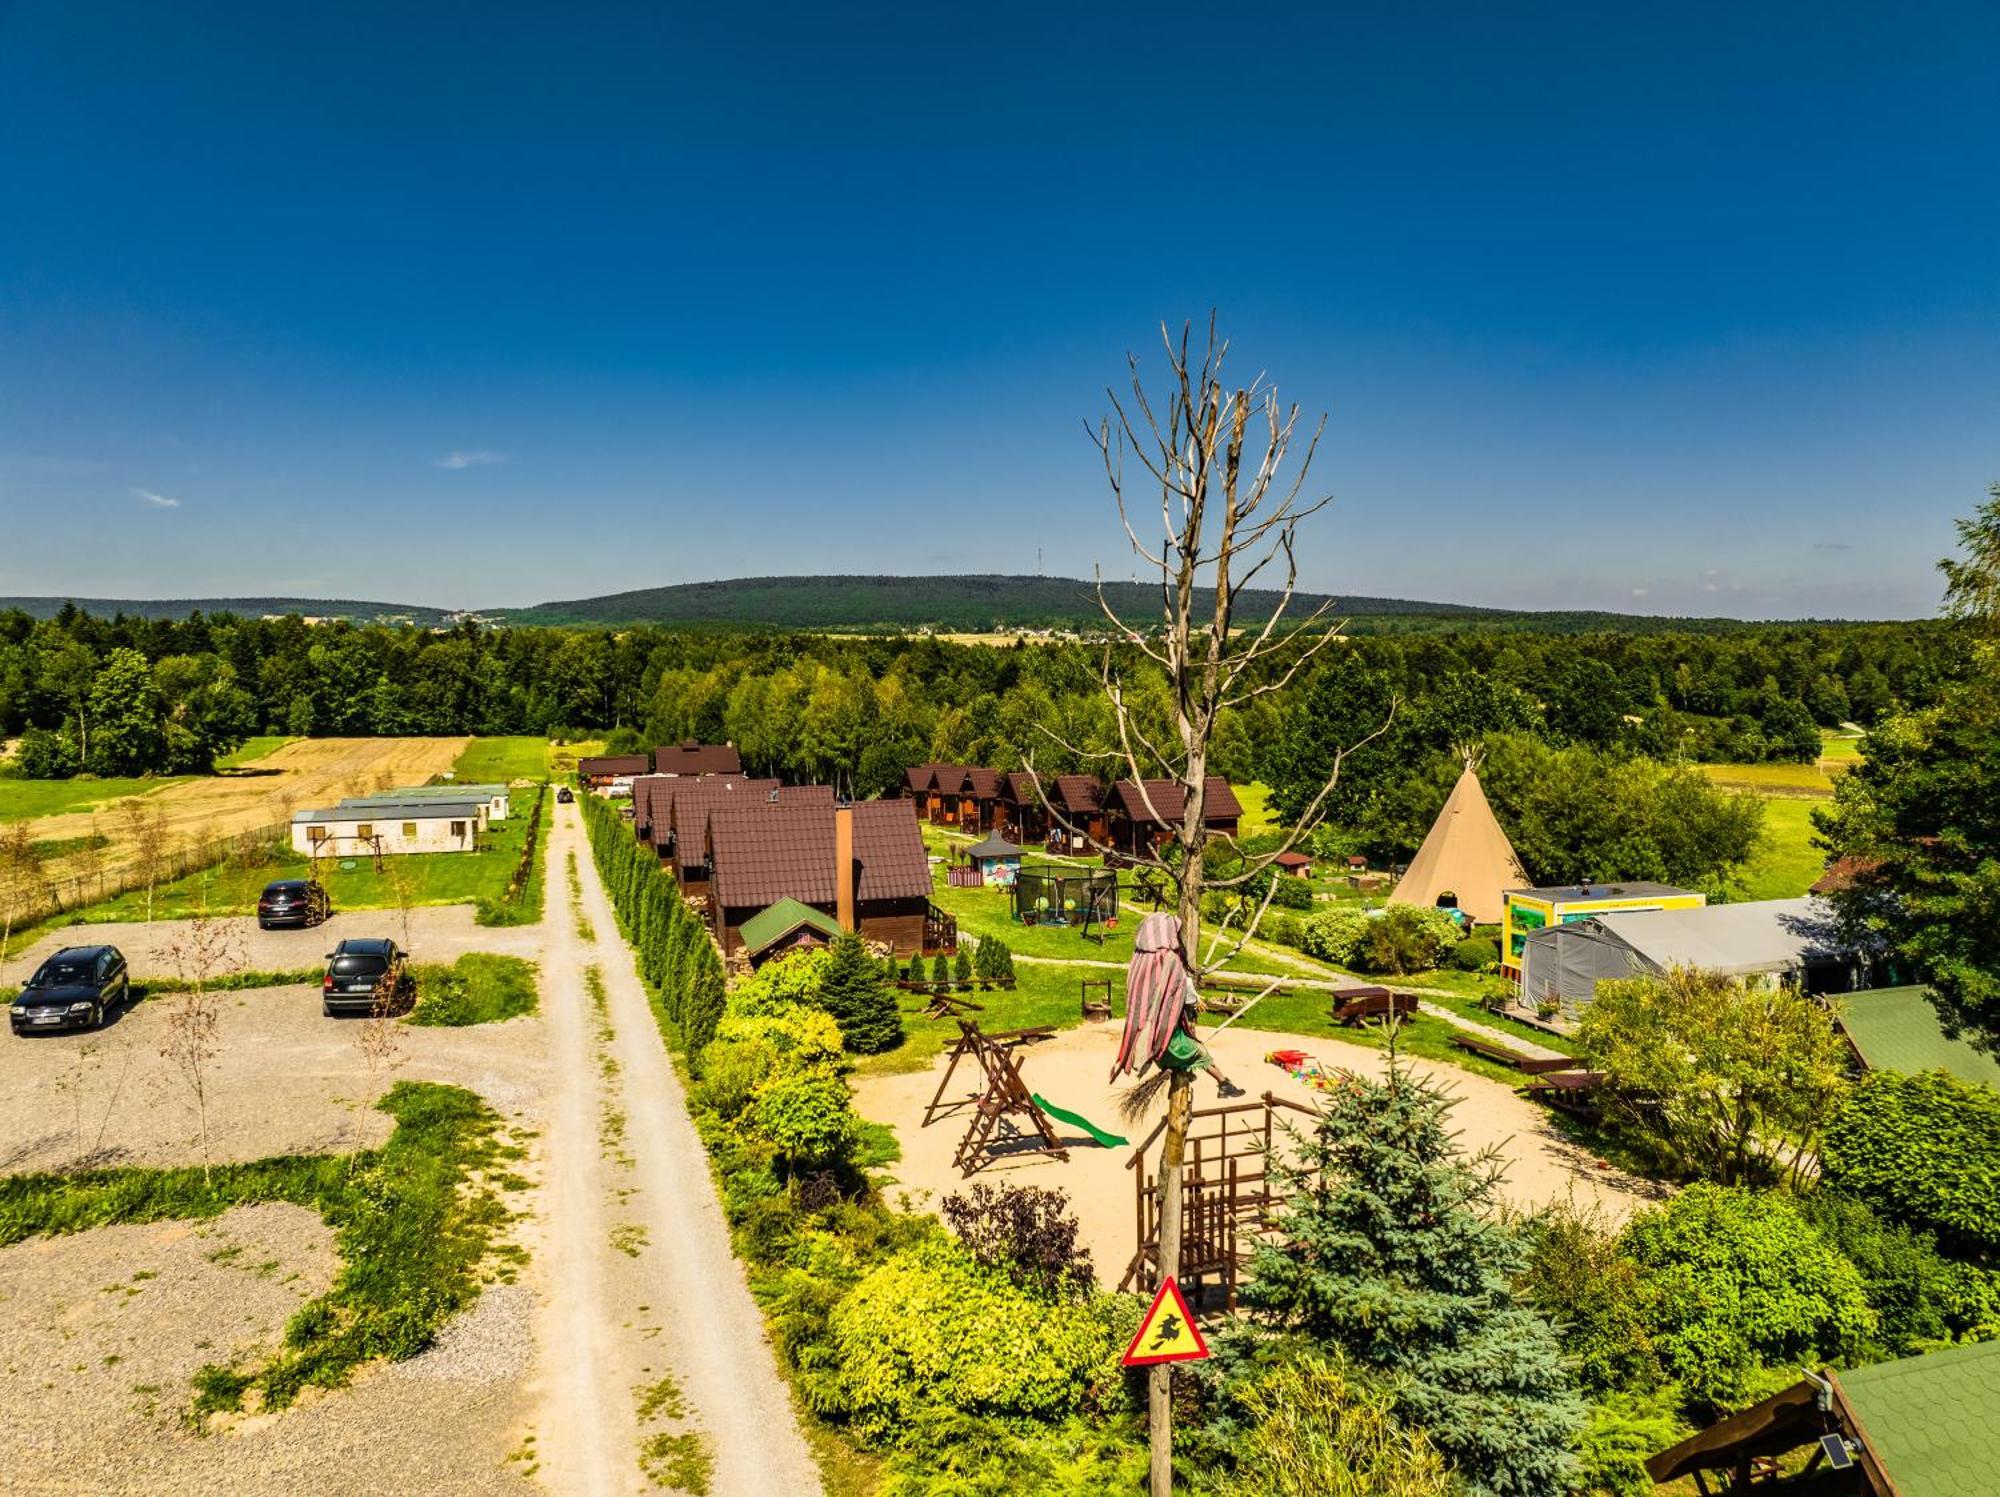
[1160, 1387]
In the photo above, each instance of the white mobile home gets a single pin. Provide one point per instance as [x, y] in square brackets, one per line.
[363, 831]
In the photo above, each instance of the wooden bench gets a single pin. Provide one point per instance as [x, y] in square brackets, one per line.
[1547, 1064]
[1478, 1045]
[1568, 1091]
[1356, 1010]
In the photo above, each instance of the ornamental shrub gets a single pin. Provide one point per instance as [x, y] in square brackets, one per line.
[1925, 1300]
[1736, 1281]
[1333, 935]
[781, 1078]
[1924, 1151]
[941, 970]
[1388, 1250]
[1406, 938]
[961, 968]
[1289, 892]
[1025, 1231]
[932, 1331]
[1314, 1429]
[853, 990]
[1475, 953]
[777, 985]
[46, 755]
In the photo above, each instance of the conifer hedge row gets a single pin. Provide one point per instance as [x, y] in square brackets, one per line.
[676, 956]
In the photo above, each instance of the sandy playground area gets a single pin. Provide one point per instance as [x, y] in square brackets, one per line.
[1070, 1070]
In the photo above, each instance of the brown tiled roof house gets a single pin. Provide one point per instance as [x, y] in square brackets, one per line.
[1139, 819]
[602, 769]
[692, 758]
[792, 848]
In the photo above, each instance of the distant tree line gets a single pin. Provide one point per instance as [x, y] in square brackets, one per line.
[125, 695]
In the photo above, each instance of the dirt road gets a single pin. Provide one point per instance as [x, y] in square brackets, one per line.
[654, 1357]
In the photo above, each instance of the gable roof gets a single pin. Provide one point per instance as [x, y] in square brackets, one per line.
[692, 758]
[694, 802]
[920, 776]
[983, 783]
[1465, 854]
[1898, 1029]
[771, 850]
[1929, 1420]
[890, 849]
[1735, 940]
[776, 921]
[613, 764]
[766, 851]
[1078, 794]
[950, 779]
[1219, 802]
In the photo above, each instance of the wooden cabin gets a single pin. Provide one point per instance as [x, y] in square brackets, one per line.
[964, 796]
[1078, 799]
[611, 772]
[863, 864]
[1143, 814]
[690, 757]
[1021, 813]
[682, 840]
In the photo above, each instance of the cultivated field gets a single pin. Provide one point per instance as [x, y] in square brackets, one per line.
[304, 773]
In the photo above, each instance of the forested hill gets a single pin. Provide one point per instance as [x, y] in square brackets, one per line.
[976, 604]
[353, 610]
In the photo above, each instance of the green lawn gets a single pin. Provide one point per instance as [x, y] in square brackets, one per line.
[253, 749]
[353, 883]
[479, 988]
[1257, 815]
[25, 800]
[1786, 863]
[488, 761]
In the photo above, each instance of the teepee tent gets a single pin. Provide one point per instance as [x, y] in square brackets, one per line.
[1465, 855]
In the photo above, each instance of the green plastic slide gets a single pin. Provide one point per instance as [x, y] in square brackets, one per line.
[1077, 1120]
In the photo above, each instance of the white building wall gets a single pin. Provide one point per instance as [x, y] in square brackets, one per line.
[400, 834]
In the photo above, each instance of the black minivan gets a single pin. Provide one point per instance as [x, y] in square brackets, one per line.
[74, 989]
[357, 971]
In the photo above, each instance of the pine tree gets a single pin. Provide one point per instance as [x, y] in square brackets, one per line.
[941, 970]
[704, 993]
[860, 1002]
[1388, 1251]
[961, 969]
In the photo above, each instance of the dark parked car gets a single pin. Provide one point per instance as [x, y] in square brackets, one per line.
[74, 989]
[293, 901]
[359, 970]
[564, 795]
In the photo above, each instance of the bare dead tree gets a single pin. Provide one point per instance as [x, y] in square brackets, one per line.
[380, 1037]
[201, 949]
[1228, 515]
[146, 833]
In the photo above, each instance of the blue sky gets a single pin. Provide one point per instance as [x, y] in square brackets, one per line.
[1695, 311]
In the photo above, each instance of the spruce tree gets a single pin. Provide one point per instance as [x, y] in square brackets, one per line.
[861, 1003]
[941, 970]
[1388, 1252]
[961, 969]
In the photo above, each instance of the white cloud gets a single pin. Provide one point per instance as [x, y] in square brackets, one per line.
[1642, 592]
[158, 501]
[458, 460]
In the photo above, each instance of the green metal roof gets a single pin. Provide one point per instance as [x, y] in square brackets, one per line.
[1897, 1029]
[776, 921]
[1931, 1420]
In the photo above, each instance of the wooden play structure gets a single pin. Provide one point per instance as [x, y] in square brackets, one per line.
[1005, 1114]
[1228, 1194]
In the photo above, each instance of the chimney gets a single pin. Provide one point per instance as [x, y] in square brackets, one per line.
[843, 866]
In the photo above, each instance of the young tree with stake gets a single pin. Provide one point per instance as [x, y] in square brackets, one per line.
[1227, 514]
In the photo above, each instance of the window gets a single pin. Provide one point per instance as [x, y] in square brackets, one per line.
[409, 831]
[315, 834]
[365, 831]
[458, 829]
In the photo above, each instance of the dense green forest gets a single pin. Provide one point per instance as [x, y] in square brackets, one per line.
[126, 695]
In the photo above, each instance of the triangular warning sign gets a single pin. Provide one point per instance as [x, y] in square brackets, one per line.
[1168, 1333]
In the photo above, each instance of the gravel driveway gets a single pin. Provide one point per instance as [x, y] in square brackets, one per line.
[437, 933]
